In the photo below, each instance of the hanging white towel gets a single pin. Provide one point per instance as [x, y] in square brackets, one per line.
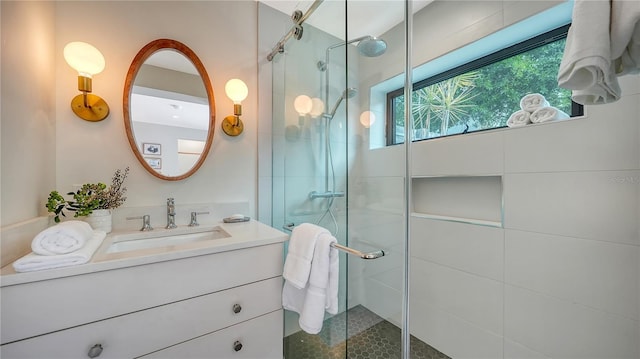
[532, 102]
[34, 262]
[547, 114]
[519, 118]
[321, 291]
[297, 265]
[62, 238]
[625, 36]
[587, 67]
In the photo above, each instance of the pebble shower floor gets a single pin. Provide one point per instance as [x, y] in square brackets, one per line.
[370, 337]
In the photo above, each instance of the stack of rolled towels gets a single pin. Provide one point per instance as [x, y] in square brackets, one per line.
[64, 244]
[534, 108]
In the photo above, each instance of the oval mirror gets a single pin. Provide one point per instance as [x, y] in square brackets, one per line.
[169, 111]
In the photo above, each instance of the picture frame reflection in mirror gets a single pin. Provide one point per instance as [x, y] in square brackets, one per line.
[155, 163]
[151, 149]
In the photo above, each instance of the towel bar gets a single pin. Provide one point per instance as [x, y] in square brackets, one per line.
[340, 247]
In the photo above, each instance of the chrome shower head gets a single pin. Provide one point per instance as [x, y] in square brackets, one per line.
[347, 93]
[369, 46]
[372, 46]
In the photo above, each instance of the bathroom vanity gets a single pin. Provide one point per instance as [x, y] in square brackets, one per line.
[219, 298]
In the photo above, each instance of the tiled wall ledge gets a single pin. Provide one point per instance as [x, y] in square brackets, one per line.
[479, 222]
[469, 199]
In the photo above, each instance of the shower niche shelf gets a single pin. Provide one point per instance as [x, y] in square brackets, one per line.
[469, 199]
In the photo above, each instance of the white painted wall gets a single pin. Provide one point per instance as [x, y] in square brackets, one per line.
[560, 278]
[45, 146]
[28, 108]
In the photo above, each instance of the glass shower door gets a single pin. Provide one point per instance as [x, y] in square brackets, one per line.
[325, 172]
[310, 168]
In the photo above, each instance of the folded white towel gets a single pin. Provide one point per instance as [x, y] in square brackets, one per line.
[65, 237]
[532, 102]
[586, 65]
[625, 36]
[547, 114]
[519, 118]
[34, 262]
[321, 291]
[297, 265]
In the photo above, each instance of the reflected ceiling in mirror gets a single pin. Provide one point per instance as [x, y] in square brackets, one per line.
[168, 101]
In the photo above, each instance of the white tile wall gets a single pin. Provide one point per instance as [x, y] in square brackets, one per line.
[452, 335]
[475, 299]
[579, 144]
[467, 247]
[513, 350]
[599, 205]
[383, 300]
[593, 273]
[429, 156]
[561, 329]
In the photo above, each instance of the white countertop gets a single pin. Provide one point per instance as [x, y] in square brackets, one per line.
[242, 235]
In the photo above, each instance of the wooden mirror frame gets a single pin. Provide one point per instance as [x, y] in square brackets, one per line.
[136, 64]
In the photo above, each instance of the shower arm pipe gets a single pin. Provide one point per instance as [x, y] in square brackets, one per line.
[280, 45]
[370, 255]
[326, 63]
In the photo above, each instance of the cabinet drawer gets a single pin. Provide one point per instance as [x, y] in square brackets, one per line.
[259, 338]
[145, 331]
[71, 301]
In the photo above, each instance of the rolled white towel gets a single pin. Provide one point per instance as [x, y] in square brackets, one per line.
[532, 102]
[34, 262]
[547, 114]
[65, 237]
[519, 118]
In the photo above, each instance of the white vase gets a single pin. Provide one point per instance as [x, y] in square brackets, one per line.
[100, 219]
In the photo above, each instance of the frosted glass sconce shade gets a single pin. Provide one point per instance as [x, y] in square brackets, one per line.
[303, 104]
[88, 61]
[84, 58]
[236, 90]
[317, 107]
[367, 118]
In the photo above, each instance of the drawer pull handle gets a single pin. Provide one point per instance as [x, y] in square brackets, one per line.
[237, 308]
[95, 351]
[237, 346]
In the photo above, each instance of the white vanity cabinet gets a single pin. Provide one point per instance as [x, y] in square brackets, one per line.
[221, 305]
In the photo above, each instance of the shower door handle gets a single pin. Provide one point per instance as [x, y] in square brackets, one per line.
[370, 255]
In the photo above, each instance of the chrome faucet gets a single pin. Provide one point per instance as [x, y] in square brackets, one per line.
[146, 222]
[171, 214]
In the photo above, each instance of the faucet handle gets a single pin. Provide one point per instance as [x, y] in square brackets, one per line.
[194, 218]
[146, 222]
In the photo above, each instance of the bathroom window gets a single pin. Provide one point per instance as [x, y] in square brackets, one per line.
[483, 93]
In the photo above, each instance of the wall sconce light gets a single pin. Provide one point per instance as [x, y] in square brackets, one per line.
[237, 91]
[303, 105]
[306, 105]
[88, 61]
[367, 118]
[317, 108]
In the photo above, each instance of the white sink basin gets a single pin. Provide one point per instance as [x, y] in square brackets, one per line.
[163, 238]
